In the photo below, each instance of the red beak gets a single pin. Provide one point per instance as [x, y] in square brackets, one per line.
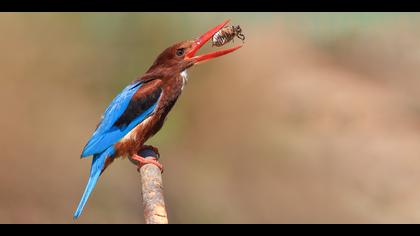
[198, 43]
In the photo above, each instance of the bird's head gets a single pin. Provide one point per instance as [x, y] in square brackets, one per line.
[182, 56]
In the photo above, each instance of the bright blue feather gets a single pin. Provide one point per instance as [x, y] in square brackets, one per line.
[101, 144]
[98, 163]
[106, 134]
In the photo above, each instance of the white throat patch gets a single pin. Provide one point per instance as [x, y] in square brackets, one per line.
[184, 76]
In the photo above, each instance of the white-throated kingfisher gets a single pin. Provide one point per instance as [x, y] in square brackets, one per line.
[139, 111]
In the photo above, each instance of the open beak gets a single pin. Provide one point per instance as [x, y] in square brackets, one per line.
[198, 43]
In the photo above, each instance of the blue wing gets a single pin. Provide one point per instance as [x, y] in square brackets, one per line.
[122, 115]
[107, 132]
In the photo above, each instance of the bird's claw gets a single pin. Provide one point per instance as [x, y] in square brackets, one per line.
[143, 161]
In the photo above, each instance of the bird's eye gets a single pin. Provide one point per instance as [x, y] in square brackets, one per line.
[180, 51]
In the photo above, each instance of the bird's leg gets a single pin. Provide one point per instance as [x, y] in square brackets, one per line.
[143, 161]
[153, 148]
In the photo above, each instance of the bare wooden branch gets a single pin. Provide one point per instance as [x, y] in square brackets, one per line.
[152, 192]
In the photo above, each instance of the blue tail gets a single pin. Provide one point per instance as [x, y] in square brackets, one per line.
[98, 163]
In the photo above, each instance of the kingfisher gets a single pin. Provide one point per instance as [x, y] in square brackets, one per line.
[139, 111]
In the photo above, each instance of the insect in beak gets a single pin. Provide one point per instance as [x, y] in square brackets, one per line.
[199, 42]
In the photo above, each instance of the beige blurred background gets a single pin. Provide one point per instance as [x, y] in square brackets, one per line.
[315, 120]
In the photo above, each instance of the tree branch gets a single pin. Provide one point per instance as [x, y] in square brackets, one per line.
[152, 191]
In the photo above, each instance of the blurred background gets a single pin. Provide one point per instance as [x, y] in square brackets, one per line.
[315, 120]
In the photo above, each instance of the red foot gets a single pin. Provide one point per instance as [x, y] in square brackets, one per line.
[143, 161]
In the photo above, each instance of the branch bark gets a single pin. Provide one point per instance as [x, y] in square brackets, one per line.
[152, 192]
